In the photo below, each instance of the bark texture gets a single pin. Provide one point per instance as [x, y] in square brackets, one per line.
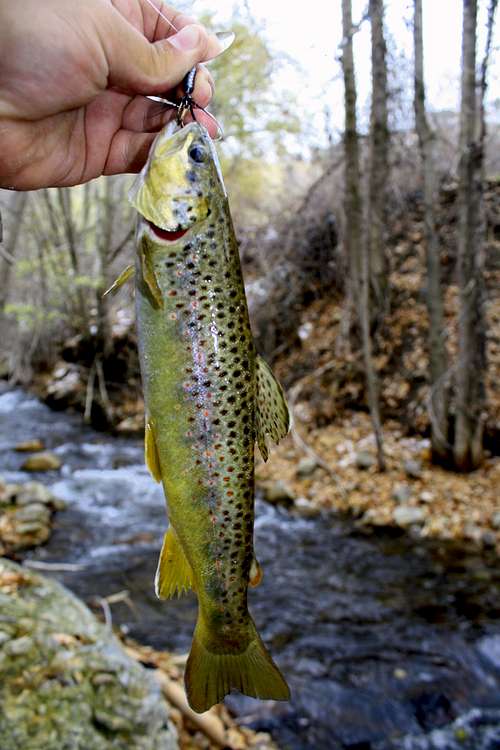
[17, 209]
[379, 168]
[471, 364]
[354, 241]
[438, 361]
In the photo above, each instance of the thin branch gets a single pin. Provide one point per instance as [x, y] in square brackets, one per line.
[89, 396]
[208, 722]
[116, 252]
[54, 566]
[354, 29]
[108, 407]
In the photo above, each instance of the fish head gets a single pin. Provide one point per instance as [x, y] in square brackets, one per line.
[175, 188]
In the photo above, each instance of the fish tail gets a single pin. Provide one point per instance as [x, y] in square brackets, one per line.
[212, 675]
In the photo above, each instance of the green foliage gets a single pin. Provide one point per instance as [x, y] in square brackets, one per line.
[29, 316]
[252, 114]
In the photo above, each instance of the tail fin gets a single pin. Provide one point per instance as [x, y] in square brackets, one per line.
[210, 676]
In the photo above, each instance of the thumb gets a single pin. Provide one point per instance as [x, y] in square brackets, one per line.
[141, 67]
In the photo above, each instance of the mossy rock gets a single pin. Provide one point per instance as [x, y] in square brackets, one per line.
[65, 681]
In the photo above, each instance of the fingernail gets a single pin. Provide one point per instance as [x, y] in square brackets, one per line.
[187, 38]
[225, 39]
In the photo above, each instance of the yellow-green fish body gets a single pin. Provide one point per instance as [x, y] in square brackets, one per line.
[208, 397]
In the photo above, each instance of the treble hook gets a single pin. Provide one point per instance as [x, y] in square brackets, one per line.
[188, 104]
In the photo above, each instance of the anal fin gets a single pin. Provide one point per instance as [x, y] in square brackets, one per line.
[174, 574]
[272, 415]
[151, 452]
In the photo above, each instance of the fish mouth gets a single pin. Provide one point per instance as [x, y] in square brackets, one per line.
[166, 234]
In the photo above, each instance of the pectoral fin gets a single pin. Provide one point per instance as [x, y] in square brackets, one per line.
[174, 574]
[273, 417]
[122, 279]
[151, 452]
[150, 280]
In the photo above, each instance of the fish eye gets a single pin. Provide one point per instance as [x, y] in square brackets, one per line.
[197, 154]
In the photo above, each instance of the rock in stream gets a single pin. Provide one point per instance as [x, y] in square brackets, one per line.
[65, 682]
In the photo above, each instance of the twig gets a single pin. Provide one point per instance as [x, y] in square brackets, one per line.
[301, 444]
[53, 566]
[89, 396]
[122, 244]
[108, 408]
[436, 391]
[208, 722]
[8, 258]
[354, 28]
[108, 619]
[298, 440]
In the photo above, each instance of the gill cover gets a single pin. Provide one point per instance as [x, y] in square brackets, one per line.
[172, 190]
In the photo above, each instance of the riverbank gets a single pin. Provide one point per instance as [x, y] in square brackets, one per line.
[334, 468]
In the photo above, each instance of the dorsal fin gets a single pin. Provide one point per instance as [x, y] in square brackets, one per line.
[272, 415]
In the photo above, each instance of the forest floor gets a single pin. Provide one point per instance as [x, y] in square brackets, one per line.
[334, 468]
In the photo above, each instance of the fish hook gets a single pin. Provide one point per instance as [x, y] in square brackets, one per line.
[188, 104]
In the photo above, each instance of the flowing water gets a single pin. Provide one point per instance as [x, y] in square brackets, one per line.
[385, 640]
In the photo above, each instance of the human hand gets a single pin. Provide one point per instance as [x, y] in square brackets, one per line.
[73, 80]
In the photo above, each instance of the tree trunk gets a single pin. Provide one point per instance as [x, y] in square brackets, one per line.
[379, 168]
[64, 196]
[17, 208]
[355, 247]
[104, 342]
[438, 361]
[471, 364]
[352, 189]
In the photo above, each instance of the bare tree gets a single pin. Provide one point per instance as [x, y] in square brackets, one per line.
[379, 168]
[7, 252]
[353, 208]
[439, 396]
[104, 251]
[355, 246]
[471, 363]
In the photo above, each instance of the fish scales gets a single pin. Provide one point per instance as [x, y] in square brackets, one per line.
[200, 377]
[206, 332]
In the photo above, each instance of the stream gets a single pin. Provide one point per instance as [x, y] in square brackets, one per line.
[385, 639]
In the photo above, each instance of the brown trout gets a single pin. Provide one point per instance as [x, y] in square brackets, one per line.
[208, 398]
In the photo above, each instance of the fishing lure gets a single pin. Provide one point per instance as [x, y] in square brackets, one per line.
[187, 104]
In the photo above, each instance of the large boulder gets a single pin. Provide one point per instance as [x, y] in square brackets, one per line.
[65, 681]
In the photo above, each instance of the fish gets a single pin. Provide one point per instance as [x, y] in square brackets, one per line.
[208, 398]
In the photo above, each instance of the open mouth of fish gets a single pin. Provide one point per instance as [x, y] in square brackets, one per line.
[167, 235]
